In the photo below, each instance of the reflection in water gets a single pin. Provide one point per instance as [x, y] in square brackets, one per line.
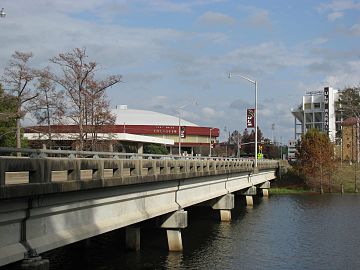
[174, 260]
[282, 232]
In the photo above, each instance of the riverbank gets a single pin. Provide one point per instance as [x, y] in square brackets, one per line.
[346, 179]
[288, 190]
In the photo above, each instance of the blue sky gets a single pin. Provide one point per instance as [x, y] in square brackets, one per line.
[175, 53]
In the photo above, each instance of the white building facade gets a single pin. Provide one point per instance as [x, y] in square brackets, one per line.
[320, 110]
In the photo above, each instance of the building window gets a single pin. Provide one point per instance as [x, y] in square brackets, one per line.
[317, 105]
[309, 126]
[318, 117]
[318, 126]
[309, 117]
[307, 106]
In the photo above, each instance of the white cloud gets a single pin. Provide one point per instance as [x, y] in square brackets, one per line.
[336, 9]
[174, 6]
[211, 18]
[355, 30]
[348, 75]
[335, 15]
[260, 18]
[339, 5]
[210, 114]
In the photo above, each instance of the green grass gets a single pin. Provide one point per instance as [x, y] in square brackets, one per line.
[284, 191]
[343, 175]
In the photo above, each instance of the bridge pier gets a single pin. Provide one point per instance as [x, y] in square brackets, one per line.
[173, 223]
[174, 239]
[132, 238]
[265, 189]
[224, 204]
[249, 193]
[265, 192]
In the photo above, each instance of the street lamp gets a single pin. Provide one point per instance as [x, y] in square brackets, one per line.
[178, 109]
[2, 13]
[179, 132]
[256, 133]
[210, 143]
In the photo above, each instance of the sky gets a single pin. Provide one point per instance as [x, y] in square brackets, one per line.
[176, 55]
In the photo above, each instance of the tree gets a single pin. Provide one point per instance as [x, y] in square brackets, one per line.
[48, 107]
[155, 149]
[315, 157]
[248, 140]
[350, 102]
[236, 139]
[97, 110]
[77, 78]
[270, 150]
[17, 78]
[7, 119]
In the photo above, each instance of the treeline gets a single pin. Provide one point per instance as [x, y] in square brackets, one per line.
[67, 91]
[242, 145]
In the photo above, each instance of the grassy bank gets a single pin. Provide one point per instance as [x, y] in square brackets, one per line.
[345, 176]
[290, 190]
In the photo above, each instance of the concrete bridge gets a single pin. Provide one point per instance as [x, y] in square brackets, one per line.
[49, 202]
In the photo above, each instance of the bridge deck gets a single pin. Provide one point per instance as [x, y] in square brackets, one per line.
[61, 200]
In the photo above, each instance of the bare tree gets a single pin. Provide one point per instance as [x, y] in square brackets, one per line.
[17, 77]
[48, 107]
[98, 111]
[77, 76]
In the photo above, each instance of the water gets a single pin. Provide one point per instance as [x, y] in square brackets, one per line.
[282, 232]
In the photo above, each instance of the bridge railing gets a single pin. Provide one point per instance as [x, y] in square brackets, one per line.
[38, 168]
[43, 153]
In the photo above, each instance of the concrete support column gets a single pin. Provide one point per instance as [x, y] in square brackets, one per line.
[265, 192]
[173, 223]
[225, 215]
[224, 204]
[265, 188]
[249, 193]
[249, 200]
[132, 238]
[174, 239]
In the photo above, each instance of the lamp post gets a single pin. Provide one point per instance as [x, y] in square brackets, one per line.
[256, 133]
[210, 143]
[179, 132]
[178, 109]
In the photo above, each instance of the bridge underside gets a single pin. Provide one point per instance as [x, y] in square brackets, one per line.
[49, 221]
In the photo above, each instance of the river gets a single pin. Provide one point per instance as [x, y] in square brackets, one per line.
[283, 232]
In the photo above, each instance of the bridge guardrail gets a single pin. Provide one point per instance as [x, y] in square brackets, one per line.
[66, 173]
[42, 153]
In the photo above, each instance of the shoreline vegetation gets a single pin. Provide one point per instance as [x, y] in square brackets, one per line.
[346, 178]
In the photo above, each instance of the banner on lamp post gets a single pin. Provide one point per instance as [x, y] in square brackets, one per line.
[182, 132]
[250, 118]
